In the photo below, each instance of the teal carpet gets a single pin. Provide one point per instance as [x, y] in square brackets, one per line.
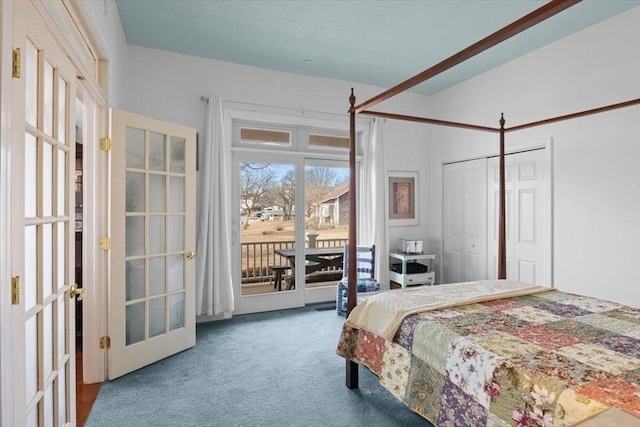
[268, 369]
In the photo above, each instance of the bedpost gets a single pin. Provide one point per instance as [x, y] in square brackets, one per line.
[502, 246]
[352, 289]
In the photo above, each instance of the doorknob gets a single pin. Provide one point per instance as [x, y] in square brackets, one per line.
[76, 291]
[189, 255]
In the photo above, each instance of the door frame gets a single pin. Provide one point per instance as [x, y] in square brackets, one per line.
[517, 146]
[96, 202]
[6, 128]
[237, 111]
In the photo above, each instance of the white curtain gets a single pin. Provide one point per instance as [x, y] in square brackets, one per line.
[372, 224]
[214, 286]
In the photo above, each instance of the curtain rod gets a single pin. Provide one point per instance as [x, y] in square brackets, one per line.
[204, 99]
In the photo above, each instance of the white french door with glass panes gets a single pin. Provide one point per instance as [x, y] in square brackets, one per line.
[42, 158]
[152, 291]
[267, 190]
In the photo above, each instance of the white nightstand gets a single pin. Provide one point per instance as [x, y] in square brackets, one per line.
[404, 278]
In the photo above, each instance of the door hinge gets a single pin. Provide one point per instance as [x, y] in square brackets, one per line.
[15, 290]
[16, 63]
[105, 144]
[105, 342]
[105, 243]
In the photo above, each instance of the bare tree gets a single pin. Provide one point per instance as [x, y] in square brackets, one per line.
[255, 180]
[319, 182]
[287, 194]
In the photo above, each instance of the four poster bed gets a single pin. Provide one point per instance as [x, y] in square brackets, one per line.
[493, 352]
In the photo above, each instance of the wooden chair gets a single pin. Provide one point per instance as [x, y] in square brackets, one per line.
[365, 275]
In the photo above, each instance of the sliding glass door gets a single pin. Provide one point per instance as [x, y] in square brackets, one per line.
[290, 237]
[326, 227]
[267, 229]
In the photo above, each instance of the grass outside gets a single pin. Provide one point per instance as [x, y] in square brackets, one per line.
[269, 231]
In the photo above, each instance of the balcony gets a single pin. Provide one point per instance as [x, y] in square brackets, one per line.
[258, 257]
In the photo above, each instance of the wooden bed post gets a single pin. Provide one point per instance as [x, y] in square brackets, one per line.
[352, 289]
[502, 236]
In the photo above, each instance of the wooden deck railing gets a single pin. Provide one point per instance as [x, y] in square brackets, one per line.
[257, 257]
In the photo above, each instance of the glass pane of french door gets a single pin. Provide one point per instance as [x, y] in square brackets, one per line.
[154, 233]
[268, 227]
[42, 227]
[326, 225]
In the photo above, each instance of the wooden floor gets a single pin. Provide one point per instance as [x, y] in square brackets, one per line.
[85, 394]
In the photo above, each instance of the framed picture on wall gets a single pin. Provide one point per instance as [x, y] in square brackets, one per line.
[403, 198]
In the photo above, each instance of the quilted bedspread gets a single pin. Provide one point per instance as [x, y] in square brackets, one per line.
[545, 359]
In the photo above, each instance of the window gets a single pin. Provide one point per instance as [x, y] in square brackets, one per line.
[264, 136]
[273, 136]
[327, 141]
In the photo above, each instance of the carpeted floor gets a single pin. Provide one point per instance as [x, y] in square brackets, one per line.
[267, 369]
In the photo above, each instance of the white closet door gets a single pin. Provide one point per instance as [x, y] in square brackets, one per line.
[465, 225]
[528, 217]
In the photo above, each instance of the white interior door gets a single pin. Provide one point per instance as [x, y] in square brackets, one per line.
[452, 264]
[152, 286]
[42, 227]
[528, 217]
[465, 227]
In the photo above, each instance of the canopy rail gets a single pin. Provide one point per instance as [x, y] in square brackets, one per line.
[575, 115]
[469, 126]
[429, 121]
[547, 11]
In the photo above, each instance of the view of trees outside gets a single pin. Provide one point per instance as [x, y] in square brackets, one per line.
[267, 205]
[269, 187]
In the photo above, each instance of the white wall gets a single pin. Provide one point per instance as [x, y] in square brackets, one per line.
[596, 216]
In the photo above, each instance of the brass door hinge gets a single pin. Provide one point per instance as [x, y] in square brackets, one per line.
[106, 144]
[105, 342]
[15, 290]
[16, 63]
[105, 243]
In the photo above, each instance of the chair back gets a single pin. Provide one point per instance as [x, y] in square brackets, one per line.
[366, 262]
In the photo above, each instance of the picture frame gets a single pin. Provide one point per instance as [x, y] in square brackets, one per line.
[402, 196]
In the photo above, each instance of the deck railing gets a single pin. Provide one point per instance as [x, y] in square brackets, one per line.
[257, 257]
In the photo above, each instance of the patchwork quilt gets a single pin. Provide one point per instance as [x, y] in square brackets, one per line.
[545, 359]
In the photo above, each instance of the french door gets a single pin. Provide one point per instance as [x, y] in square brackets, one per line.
[152, 290]
[43, 155]
[292, 229]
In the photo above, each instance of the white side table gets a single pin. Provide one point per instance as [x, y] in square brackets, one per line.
[405, 279]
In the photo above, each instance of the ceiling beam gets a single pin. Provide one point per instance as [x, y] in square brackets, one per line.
[548, 10]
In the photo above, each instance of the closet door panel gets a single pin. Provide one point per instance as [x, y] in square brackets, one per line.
[465, 231]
